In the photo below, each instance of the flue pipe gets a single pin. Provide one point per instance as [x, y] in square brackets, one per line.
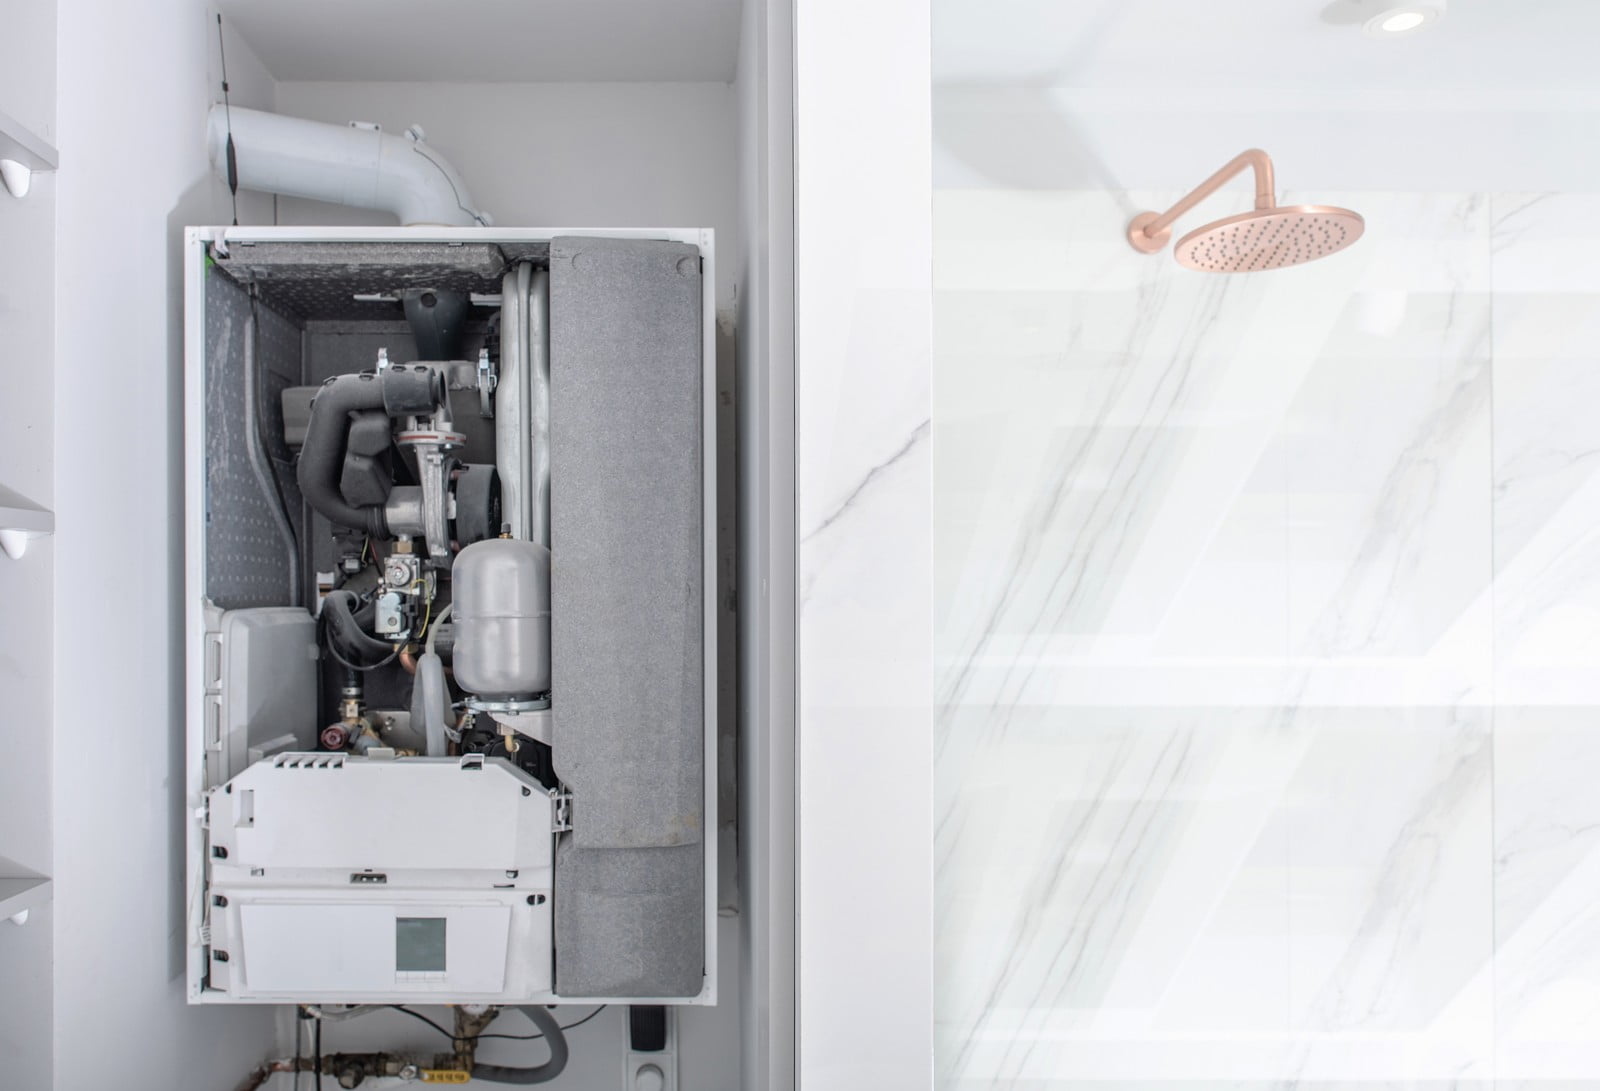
[353, 164]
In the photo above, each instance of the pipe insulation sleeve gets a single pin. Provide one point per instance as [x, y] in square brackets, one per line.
[554, 1037]
[538, 408]
[339, 606]
[398, 391]
[344, 164]
[511, 431]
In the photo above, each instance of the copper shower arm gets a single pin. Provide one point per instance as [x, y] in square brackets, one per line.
[1149, 232]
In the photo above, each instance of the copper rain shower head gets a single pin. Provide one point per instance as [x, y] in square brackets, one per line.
[1267, 238]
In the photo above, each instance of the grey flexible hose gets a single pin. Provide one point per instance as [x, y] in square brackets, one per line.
[433, 630]
[430, 700]
[260, 459]
[554, 1037]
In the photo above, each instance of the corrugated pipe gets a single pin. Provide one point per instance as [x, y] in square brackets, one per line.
[346, 164]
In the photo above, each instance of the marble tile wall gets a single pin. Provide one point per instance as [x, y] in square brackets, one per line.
[1267, 648]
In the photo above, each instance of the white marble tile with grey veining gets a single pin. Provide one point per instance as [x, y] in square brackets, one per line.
[1547, 892]
[1387, 447]
[1233, 894]
[1228, 581]
[1156, 486]
[1547, 449]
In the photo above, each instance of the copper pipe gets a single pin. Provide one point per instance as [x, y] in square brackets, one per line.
[1254, 157]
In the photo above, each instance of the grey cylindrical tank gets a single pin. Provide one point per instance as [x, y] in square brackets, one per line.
[501, 596]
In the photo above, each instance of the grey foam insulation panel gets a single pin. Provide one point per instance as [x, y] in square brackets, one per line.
[247, 559]
[629, 921]
[627, 610]
[627, 586]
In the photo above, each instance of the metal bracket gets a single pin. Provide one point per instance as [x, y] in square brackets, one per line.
[487, 381]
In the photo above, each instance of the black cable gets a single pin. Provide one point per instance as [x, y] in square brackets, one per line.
[585, 1019]
[316, 1049]
[299, 1049]
[227, 110]
[417, 1015]
[423, 1018]
[476, 218]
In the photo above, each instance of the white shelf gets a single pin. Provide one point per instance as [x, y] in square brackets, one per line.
[23, 146]
[21, 520]
[20, 895]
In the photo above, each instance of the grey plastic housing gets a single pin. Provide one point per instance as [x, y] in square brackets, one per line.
[502, 619]
[262, 667]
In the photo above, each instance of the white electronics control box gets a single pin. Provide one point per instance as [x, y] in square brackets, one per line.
[352, 879]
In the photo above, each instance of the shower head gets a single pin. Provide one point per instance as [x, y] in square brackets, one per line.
[1268, 238]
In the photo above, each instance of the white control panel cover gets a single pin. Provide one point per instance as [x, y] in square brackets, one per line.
[360, 880]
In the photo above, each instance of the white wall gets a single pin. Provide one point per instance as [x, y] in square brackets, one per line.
[27, 293]
[137, 80]
[863, 270]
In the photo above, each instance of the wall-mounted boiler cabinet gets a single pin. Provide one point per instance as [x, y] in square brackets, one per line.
[450, 587]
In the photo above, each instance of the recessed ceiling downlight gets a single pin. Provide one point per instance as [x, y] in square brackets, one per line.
[1404, 21]
[1396, 19]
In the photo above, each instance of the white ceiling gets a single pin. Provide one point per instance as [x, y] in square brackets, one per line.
[491, 40]
[1294, 45]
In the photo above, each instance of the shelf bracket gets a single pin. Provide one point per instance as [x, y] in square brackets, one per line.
[21, 521]
[22, 154]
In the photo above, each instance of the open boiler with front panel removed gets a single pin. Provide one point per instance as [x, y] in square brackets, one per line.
[450, 588]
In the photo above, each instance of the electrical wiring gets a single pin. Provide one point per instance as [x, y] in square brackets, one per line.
[316, 1051]
[417, 1015]
[427, 613]
[568, 1026]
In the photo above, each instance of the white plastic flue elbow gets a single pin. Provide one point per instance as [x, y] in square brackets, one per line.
[356, 165]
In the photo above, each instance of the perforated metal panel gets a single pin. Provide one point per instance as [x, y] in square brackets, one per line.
[320, 280]
[247, 561]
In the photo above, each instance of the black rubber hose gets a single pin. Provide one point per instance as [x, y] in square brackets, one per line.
[339, 606]
[553, 1037]
[322, 453]
[397, 391]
